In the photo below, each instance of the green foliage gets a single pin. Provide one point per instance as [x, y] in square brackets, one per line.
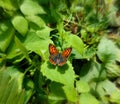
[11, 91]
[91, 73]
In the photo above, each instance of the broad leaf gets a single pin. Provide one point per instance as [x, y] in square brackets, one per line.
[107, 51]
[64, 75]
[86, 98]
[20, 24]
[30, 7]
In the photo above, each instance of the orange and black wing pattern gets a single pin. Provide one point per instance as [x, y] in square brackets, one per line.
[57, 58]
[66, 53]
[52, 49]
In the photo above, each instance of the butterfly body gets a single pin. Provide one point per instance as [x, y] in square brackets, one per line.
[57, 58]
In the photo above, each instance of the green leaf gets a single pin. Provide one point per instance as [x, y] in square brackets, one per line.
[107, 50]
[22, 48]
[30, 7]
[82, 86]
[106, 87]
[86, 98]
[11, 90]
[64, 75]
[6, 35]
[36, 20]
[9, 4]
[115, 97]
[61, 92]
[76, 43]
[91, 71]
[13, 51]
[71, 93]
[38, 43]
[113, 70]
[57, 91]
[20, 24]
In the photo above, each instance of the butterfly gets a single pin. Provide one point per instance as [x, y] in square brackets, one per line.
[57, 58]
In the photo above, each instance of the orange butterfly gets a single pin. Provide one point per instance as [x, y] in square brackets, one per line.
[57, 58]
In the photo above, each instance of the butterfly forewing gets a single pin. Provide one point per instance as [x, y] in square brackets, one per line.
[66, 52]
[52, 49]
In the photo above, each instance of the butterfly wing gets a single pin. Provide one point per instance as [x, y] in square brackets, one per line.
[64, 55]
[53, 50]
[66, 52]
[53, 53]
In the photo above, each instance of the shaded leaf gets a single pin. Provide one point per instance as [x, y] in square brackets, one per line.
[6, 35]
[11, 87]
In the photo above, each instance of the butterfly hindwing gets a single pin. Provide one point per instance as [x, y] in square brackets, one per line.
[51, 59]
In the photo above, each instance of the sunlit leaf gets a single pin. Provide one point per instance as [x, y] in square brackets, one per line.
[106, 88]
[20, 24]
[113, 70]
[36, 20]
[64, 75]
[76, 43]
[107, 50]
[91, 71]
[82, 86]
[70, 93]
[30, 7]
[37, 43]
[115, 97]
[86, 98]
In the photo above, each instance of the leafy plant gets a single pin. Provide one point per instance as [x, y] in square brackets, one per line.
[91, 73]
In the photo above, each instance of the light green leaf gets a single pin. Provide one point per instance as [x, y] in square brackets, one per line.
[20, 24]
[82, 86]
[64, 75]
[36, 20]
[71, 93]
[38, 44]
[115, 97]
[76, 43]
[107, 50]
[106, 87]
[91, 71]
[30, 7]
[22, 48]
[113, 70]
[86, 98]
